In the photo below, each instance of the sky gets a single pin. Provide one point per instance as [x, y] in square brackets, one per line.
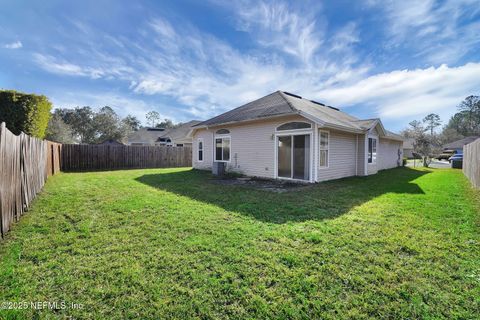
[186, 59]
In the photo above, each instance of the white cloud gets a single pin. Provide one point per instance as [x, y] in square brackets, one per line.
[163, 27]
[102, 66]
[284, 26]
[406, 94]
[345, 38]
[51, 64]
[13, 45]
[441, 31]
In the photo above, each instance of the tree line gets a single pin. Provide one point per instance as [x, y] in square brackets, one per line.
[428, 143]
[85, 125]
[32, 114]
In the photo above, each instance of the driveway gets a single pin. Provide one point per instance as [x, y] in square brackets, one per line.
[437, 164]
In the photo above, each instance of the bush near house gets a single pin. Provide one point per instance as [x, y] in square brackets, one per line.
[24, 112]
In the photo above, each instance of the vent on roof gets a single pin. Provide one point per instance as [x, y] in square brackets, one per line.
[316, 102]
[291, 94]
[333, 108]
[155, 129]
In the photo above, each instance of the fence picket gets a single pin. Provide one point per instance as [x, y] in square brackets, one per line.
[471, 162]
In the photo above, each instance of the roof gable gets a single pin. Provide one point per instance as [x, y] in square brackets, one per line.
[271, 105]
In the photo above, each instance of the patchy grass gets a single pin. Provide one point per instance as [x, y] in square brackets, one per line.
[171, 244]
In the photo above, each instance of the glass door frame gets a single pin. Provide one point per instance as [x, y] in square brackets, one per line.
[292, 133]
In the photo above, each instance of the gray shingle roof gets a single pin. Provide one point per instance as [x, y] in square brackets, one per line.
[145, 135]
[281, 103]
[273, 104]
[152, 135]
[393, 135]
[460, 143]
[180, 133]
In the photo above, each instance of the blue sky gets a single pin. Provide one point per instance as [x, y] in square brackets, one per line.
[398, 60]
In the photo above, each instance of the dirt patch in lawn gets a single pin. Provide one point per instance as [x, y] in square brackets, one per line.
[262, 184]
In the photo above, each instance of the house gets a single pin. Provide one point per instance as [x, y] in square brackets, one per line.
[177, 137]
[458, 145]
[285, 136]
[408, 148]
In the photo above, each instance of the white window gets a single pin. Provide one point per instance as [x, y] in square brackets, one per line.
[294, 126]
[372, 150]
[200, 150]
[222, 149]
[324, 146]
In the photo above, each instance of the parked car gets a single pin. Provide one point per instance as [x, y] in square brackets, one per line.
[457, 156]
[446, 154]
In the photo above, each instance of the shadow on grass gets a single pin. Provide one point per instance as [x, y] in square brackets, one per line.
[321, 201]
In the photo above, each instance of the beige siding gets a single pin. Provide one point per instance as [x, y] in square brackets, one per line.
[342, 161]
[371, 168]
[361, 155]
[252, 146]
[253, 151]
[388, 154]
[207, 138]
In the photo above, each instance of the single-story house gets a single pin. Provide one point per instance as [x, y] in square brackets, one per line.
[284, 136]
[458, 145]
[408, 148]
[176, 137]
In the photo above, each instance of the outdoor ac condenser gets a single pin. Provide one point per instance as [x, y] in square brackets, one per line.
[218, 168]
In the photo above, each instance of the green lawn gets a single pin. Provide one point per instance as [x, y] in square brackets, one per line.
[169, 243]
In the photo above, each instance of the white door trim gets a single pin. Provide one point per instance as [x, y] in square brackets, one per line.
[311, 154]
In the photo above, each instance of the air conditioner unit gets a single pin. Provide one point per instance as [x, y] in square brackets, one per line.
[218, 168]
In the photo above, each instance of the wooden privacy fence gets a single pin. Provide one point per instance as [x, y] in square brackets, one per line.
[471, 162]
[85, 157]
[25, 164]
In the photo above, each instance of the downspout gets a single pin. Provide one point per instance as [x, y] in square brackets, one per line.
[365, 155]
[356, 156]
[315, 148]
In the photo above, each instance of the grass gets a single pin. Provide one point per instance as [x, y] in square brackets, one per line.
[169, 243]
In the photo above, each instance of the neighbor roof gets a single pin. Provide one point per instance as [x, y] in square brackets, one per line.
[180, 133]
[280, 103]
[145, 135]
[460, 143]
[152, 135]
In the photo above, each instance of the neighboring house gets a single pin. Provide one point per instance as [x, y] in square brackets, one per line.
[111, 142]
[285, 136]
[177, 137]
[458, 145]
[408, 147]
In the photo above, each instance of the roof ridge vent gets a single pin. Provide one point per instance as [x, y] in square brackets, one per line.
[316, 102]
[333, 108]
[293, 95]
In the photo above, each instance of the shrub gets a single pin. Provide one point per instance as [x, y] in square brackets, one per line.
[23, 112]
[404, 163]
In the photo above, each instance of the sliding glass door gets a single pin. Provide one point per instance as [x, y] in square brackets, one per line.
[293, 153]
